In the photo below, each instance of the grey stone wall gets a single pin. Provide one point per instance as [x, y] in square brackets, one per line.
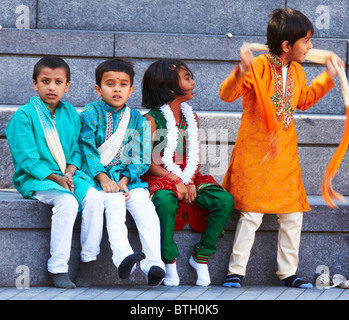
[86, 32]
[318, 137]
[25, 242]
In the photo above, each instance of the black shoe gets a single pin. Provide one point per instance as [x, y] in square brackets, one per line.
[155, 276]
[126, 265]
[232, 281]
[62, 280]
[84, 277]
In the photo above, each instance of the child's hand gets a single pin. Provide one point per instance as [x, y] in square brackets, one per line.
[123, 187]
[191, 193]
[181, 191]
[331, 70]
[109, 185]
[126, 193]
[62, 181]
[246, 59]
[69, 178]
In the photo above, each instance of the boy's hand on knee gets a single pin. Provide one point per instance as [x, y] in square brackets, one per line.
[126, 193]
[62, 181]
[69, 179]
[108, 185]
[123, 187]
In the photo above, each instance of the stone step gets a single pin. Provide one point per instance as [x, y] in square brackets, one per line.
[243, 17]
[25, 236]
[85, 33]
[211, 58]
[318, 138]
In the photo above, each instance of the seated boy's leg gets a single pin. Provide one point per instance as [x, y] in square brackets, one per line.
[90, 236]
[91, 225]
[143, 212]
[115, 215]
[64, 211]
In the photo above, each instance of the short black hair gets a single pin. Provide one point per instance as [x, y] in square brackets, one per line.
[286, 25]
[51, 62]
[160, 83]
[116, 65]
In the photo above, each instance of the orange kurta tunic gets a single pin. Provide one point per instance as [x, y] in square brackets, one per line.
[276, 185]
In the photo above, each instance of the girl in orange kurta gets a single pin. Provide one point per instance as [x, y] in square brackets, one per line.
[274, 185]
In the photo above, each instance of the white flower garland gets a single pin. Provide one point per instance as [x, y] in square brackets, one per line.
[172, 136]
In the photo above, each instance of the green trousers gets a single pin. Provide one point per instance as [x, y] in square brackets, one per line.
[220, 204]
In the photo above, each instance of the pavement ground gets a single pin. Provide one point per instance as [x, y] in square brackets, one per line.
[180, 293]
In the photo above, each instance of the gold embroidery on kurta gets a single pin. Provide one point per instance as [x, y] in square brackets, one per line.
[282, 102]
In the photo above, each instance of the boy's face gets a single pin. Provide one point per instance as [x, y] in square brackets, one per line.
[115, 88]
[299, 49]
[51, 85]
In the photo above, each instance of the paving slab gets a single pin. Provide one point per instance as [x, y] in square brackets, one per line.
[143, 293]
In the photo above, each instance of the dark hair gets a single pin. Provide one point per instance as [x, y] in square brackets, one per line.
[116, 65]
[286, 25]
[160, 83]
[51, 62]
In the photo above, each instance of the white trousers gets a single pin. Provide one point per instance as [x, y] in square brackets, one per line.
[147, 222]
[64, 212]
[287, 248]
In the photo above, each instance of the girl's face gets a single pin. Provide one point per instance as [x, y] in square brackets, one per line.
[186, 83]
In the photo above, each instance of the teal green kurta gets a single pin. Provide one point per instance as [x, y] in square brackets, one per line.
[136, 153]
[31, 156]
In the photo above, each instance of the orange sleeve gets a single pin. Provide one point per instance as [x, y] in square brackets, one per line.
[318, 88]
[234, 86]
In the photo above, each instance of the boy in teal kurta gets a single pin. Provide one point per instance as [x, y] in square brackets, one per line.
[43, 137]
[115, 143]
